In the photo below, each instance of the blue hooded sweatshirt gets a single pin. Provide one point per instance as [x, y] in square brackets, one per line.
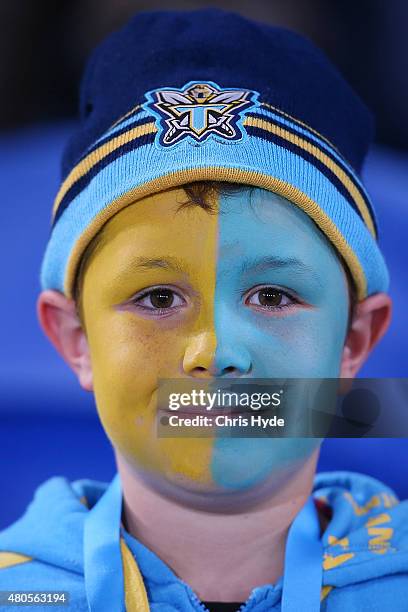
[365, 562]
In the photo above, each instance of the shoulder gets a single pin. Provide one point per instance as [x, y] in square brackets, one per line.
[43, 549]
[23, 573]
[378, 594]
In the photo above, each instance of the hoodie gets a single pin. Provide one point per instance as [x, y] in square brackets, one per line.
[365, 562]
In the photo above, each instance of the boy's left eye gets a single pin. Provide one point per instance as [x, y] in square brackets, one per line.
[270, 298]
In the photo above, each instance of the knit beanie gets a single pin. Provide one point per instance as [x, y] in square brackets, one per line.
[177, 97]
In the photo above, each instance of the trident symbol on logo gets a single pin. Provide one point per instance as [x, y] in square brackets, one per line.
[198, 111]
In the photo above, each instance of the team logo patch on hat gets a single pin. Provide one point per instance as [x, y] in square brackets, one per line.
[198, 111]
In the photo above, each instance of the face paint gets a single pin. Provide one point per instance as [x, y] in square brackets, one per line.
[209, 269]
[264, 241]
[151, 244]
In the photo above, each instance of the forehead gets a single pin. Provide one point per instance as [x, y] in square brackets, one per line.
[243, 225]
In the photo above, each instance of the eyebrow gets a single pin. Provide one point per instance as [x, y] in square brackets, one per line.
[261, 264]
[151, 263]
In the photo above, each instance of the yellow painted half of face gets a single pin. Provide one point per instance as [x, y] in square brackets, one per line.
[151, 243]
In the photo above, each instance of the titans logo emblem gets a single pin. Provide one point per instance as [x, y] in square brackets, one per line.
[199, 111]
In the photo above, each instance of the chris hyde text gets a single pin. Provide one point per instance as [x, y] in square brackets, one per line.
[254, 420]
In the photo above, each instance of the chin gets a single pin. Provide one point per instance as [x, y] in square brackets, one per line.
[235, 499]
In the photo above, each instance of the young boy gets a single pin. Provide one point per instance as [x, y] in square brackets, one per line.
[211, 225]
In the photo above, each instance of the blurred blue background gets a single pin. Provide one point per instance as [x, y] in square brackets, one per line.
[48, 425]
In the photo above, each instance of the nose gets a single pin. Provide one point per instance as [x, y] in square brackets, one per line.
[232, 359]
[204, 359]
[199, 355]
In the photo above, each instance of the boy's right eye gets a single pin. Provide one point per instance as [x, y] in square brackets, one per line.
[159, 300]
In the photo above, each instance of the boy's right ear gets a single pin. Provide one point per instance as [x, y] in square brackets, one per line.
[59, 320]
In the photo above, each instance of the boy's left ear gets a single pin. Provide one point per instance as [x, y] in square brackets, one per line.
[60, 322]
[370, 321]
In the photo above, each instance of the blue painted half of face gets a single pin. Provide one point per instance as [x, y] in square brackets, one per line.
[267, 242]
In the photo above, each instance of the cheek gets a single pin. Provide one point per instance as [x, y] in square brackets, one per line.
[128, 352]
[128, 357]
[121, 351]
[305, 346]
[127, 363]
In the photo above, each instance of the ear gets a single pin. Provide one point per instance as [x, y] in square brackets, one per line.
[61, 324]
[371, 319]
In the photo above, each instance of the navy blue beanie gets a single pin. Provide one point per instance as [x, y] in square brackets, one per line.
[175, 97]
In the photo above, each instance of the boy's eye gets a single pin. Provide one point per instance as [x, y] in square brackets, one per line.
[161, 298]
[270, 298]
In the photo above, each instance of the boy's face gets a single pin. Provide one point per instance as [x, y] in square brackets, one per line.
[211, 317]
